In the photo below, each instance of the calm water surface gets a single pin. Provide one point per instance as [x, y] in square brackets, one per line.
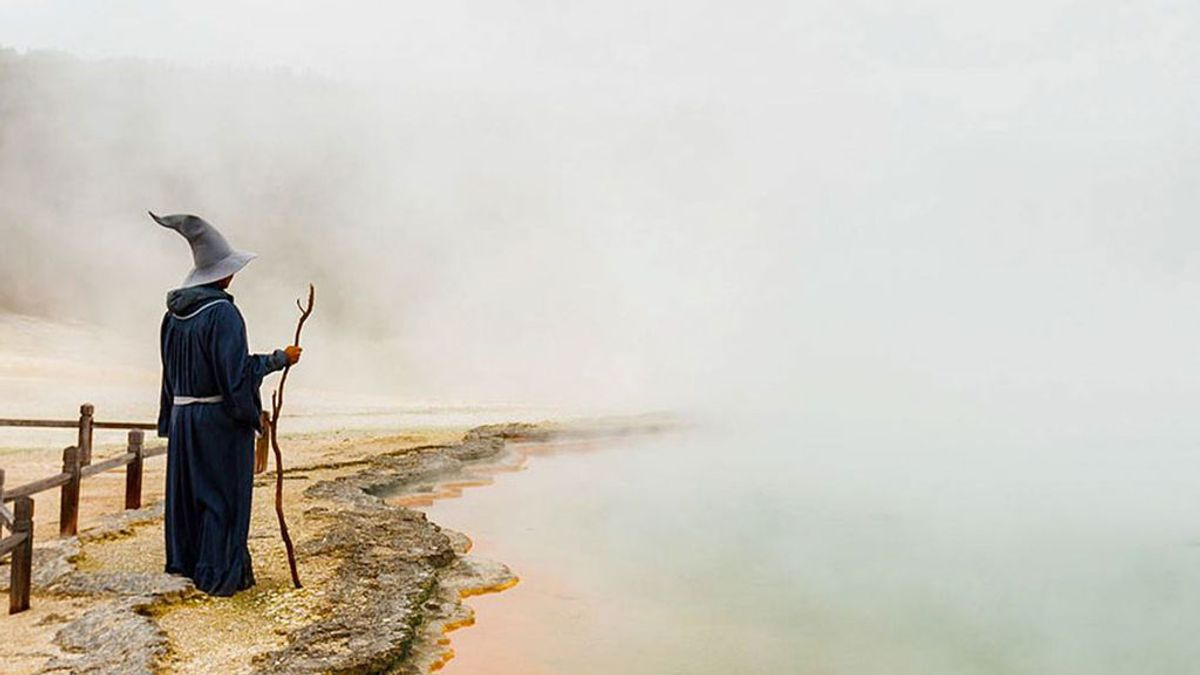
[684, 554]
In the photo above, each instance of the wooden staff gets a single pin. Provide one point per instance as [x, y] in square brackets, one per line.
[276, 407]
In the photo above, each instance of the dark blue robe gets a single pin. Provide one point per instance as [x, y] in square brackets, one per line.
[210, 446]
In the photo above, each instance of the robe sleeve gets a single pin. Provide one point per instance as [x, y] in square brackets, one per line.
[239, 374]
[269, 363]
[166, 398]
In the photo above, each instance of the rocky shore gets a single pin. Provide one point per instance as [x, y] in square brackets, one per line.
[399, 576]
[382, 583]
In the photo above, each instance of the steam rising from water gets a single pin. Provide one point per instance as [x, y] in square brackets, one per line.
[930, 216]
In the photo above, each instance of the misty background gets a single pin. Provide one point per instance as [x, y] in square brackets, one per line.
[916, 217]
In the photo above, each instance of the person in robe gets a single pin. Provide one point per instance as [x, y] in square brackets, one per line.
[210, 413]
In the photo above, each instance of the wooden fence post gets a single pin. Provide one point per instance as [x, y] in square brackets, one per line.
[22, 557]
[3, 514]
[133, 470]
[68, 514]
[86, 411]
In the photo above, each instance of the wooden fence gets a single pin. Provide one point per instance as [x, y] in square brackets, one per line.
[76, 465]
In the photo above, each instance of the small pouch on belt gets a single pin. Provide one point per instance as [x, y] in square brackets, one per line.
[262, 444]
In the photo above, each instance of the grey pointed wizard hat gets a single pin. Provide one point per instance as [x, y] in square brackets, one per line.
[214, 258]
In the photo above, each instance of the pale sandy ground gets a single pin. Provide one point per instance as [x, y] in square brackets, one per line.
[206, 634]
[47, 369]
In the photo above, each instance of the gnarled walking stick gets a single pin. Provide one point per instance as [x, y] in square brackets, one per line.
[276, 406]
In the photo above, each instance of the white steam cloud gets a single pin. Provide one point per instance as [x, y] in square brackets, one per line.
[945, 215]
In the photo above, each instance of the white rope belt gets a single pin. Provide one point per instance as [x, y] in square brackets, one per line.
[188, 400]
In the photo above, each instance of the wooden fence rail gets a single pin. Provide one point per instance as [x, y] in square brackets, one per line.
[76, 465]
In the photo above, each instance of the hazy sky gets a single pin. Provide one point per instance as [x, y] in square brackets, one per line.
[543, 43]
[921, 209]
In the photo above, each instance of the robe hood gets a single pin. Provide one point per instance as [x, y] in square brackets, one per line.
[184, 301]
